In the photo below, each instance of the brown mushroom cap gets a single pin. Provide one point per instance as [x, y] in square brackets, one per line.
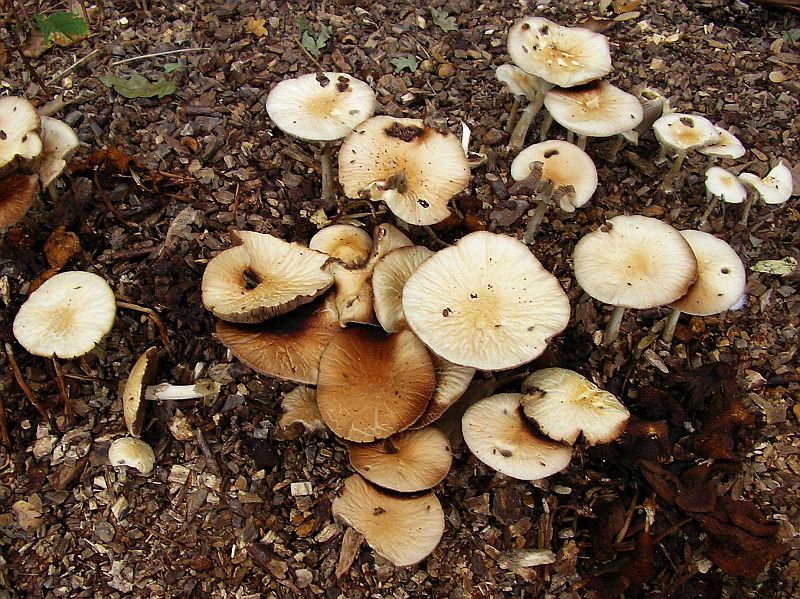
[373, 385]
[142, 374]
[407, 462]
[299, 406]
[17, 193]
[403, 529]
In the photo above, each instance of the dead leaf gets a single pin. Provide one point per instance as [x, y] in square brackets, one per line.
[256, 27]
[351, 543]
[60, 247]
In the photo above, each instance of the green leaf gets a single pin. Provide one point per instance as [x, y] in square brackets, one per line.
[324, 36]
[139, 87]
[314, 44]
[302, 23]
[63, 23]
[443, 19]
[172, 66]
[310, 44]
[409, 62]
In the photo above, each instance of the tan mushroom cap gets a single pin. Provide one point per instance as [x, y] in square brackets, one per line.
[728, 145]
[388, 279]
[59, 143]
[19, 130]
[775, 188]
[452, 382]
[564, 404]
[299, 406]
[66, 316]
[289, 347]
[485, 302]
[132, 452]
[565, 56]
[518, 82]
[682, 132]
[595, 109]
[373, 385]
[498, 434]
[403, 529]
[405, 163]
[320, 107]
[142, 374]
[17, 193]
[406, 462]
[349, 244]
[564, 165]
[720, 280]
[262, 278]
[726, 185]
[634, 262]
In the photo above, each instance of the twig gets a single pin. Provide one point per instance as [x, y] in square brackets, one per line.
[4, 438]
[206, 451]
[156, 54]
[109, 205]
[308, 54]
[23, 385]
[69, 409]
[162, 330]
[12, 36]
[73, 66]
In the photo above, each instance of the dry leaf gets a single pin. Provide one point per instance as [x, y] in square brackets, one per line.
[256, 27]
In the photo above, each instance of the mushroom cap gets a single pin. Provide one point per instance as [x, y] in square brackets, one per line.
[635, 262]
[132, 452]
[289, 347]
[726, 185]
[405, 163]
[563, 404]
[17, 193]
[59, 143]
[595, 109]
[299, 406]
[775, 188]
[518, 82]
[498, 434]
[565, 56]
[388, 279]
[403, 529]
[262, 278]
[142, 374]
[452, 382]
[373, 385]
[407, 462]
[682, 132]
[485, 302]
[66, 316]
[728, 145]
[564, 165]
[720, 276]
[347, 243]
[320, 107]
[19, 127]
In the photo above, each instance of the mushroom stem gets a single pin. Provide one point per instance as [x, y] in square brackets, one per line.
[662, 154]
[327, 173]
[667, 184]
[669, 327]
[581, 142]
[534, 222]
[524, 124]
[751, 197]
[570, 136]
[166, 391]
[711, 205]
[546, 123]
[615, 147]
[612, 328]
[513, 115]
[69, 409]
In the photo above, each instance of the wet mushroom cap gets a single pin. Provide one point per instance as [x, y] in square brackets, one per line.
[726, 185]
[66, 316]
[634, 262]
[775, 187]
[388, 279]
[404, 529]
[142, 374]
[320, 107]
[17, 193]
[19, 130]
[595, 109]
[347, 243]
[685, 131]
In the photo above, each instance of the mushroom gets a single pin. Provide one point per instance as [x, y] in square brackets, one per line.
[412, 167]
[17, 193]
[555, 171]
[59, 143]
[774, 188]
[403, 529]
[132, 452]
[721, 184]
[499, 435]
[681, 133]
[728, 146]
[19, 130]
[720, 280]
[633, 262]
[485, 302]
[564, 404]
[141, 375]
[299, 406]
[452, 382]
[520, 84]
[349, 244]
[388, 279]
[321, 107]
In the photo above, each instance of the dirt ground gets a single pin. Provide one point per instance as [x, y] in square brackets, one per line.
[698, 498]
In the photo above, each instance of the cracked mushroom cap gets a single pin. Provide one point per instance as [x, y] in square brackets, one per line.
[682, 132]
[404, 529]
[59, 143]
[564, 56]
[726, 185]
[66, 316]
[17, 193]
[262, 278]
[373, 385]
[349, 244]
[775, 188]
[412, 167]
[407, 462]
[133, 407]
[388, 279]
[595, 109]
[728, 145]
[563, 165]
[19, 130]
[635, 262]
[320, 107]
[499, 435]
[720, 276]
[485, 302]
[564, 404]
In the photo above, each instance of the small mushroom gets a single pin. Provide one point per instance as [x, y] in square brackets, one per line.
[521, 84]
[299, 406]
[452, 382]
[132, 452]
[774, 188]
[142, 374]
[728, 146]
[349, 244]
[681, 133]
[59, 143]
[721, 183]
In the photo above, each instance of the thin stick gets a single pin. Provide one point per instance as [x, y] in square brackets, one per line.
[73, 66]
[162, 331]
[308, 54]
[23, 385]
[156, 54]
[612, 328]
[4, 438]
[211, 462]
[12, 36]
[69, 409]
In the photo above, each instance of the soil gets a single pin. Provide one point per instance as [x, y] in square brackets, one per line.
[698, 498]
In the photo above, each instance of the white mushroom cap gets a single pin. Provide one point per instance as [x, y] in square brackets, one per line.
[485, 302]
[66, 316]
[724, 184]
[498, 434]
[403, 162]
[403, 529]
[720, 276]
[728, 145]
[518, 82]
[681, 131]
[634, 262]
[388, 279]
[59, 143]
[564, 404]
[17, 193]
[565, 56]
[19, 127]
[564, 165]
[320, 107]
[347, 243]
[596, 109]
[132, 452]
[775, 188]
